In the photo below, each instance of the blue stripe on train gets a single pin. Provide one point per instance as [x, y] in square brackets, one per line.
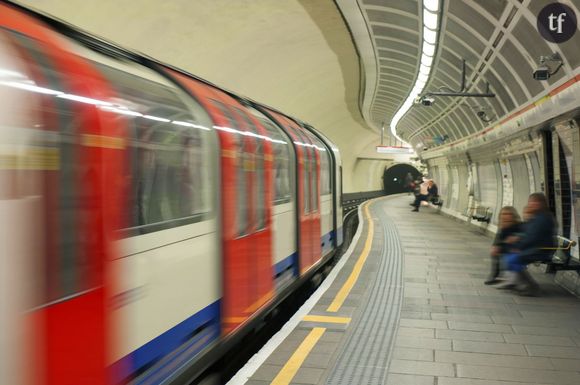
[285, 264]
[326, 243]
[170, 350]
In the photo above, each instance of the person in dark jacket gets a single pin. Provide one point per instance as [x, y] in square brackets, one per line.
[509, 227]
[433, 192]
[537, 243]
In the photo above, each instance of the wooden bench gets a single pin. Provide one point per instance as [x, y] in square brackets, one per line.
[562, 257]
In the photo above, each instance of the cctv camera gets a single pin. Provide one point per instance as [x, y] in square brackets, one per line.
[542, 73]
[427, 101]
[481, 114]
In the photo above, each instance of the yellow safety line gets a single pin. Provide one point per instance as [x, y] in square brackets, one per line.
[289, 370]
[348, 285]
[325, 318]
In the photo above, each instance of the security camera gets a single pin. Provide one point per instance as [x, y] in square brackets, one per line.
[481, 114]
[542, 73]
[427, 101]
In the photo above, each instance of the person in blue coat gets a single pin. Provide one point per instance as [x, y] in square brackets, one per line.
[537, 243]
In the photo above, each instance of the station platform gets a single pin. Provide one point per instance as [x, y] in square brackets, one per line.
[407, 305]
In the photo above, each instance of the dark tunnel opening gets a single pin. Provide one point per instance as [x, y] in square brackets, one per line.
[395, 177]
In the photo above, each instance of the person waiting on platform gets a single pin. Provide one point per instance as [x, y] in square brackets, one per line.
[509, 228]
[409, 183]
[422, 196]
[536, 244]
[433, 191]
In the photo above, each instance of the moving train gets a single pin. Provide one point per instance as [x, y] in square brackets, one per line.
[148, 217]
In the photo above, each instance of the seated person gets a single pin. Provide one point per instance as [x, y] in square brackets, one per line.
[422, 196]
[509, 227]
[433, 191]
[536, 244]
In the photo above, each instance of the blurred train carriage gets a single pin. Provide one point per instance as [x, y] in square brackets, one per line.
[147, 217]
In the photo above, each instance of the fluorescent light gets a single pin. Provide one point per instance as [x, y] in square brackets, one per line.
[426, 60]
[188, 124]
[157, 118]
[122, 111]
[431, 5]
[83, 99]
[428, 49]
[429, 35]
[32, 87]
[423, 69]
[429, 19]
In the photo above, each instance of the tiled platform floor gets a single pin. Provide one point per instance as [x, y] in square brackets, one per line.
[452, 329]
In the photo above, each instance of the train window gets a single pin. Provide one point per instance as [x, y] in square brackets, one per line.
[168, 155]
[258, 171]
[243, 166]
[314, 182]
[283, 166]
[325, 172]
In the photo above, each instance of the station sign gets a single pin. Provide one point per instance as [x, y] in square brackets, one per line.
[394, 150]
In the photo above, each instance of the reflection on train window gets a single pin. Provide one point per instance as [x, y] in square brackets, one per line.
[314, 176]
[325, 172]
[258, 155]
[169, 163]
[283, 167]
[242, 166]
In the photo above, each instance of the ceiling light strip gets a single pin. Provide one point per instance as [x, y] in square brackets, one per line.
[431, 17]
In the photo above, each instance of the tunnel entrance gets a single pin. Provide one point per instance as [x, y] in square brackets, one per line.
[394, 178]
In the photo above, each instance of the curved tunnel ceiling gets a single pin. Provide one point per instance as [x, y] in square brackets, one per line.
[497, 38]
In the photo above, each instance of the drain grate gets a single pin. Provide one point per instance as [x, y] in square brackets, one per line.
[367, 350]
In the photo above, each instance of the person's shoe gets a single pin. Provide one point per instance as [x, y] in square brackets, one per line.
[415, 210]
[491, 281]
[411, 204]
[507, 286]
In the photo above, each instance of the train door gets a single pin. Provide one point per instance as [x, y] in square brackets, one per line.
[304, 179]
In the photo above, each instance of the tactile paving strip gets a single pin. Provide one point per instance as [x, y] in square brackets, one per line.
[366, 353]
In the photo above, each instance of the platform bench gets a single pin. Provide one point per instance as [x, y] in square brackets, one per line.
[562, 257]
[482, 214]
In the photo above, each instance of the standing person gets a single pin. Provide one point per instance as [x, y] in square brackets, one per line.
[509, 226]
[409, 183]
[423, 194]
[537, 244]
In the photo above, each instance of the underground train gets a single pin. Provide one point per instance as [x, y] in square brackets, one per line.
[148, 217]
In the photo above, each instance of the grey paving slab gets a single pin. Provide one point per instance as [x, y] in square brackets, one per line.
[493, 360]
[538, 340]
[522, 375]
[409, 379]
[421, 368]
[489, 347]
[462, 317]
[553, 351]
[471, 381]
[480, 327]
[469, 335]
[401, 353]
